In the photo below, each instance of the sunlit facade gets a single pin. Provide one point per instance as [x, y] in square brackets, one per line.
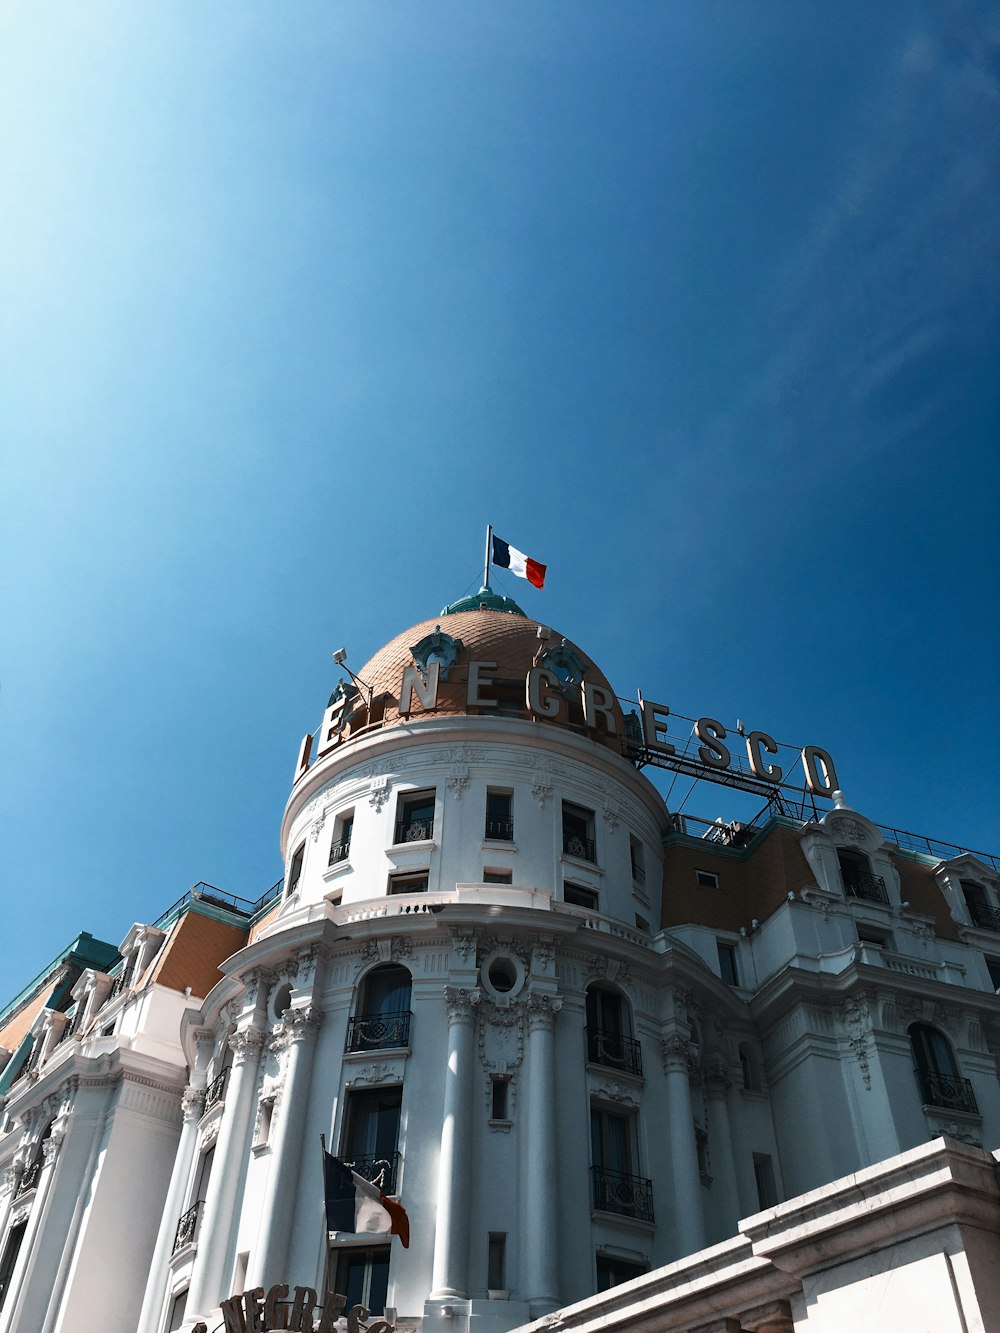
[578, 1036]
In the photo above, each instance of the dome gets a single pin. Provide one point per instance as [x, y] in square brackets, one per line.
[505, 637]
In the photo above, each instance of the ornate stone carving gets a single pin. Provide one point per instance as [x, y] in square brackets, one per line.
[848, 830]
[541, 789]
[374, 1073]
[463, 946]
[457, 782]
[246, 1044]
[379, 792]
[617, 1092]
[717, 1079]
[316, 827]
[676, 1051]
[542, 1010]
[256, 980]
[297, 1024]
[461, 1003]
[543, 954]
[611, 816]
[192, 1103]
[857, 1012]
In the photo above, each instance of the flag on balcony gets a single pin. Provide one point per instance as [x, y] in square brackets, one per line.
[356, 1205]
[506, 556]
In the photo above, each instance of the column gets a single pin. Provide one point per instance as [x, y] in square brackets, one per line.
[688, 1219]
[221, 1212]
[720, 1141]
[539, 1257]
[297, 1039]
[450, 1277]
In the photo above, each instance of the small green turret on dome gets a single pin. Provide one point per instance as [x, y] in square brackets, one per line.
[484, 600]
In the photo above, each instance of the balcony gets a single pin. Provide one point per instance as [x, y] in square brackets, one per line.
[187, 1225]
[986, 918]
[952, 1093]
[381, 1171]
[339, 851]
[500, 830]
[379, 1032]
[414, 830]
[863, 884]
[614, 1051]
[216, 1090]
[585, 849]
[615, 1192]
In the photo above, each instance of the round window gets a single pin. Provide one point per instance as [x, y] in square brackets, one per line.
[280, 1001]
[502, 974]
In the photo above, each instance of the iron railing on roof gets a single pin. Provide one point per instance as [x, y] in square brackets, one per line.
[216, 897]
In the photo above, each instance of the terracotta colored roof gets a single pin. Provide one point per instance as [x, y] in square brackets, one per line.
[13, 1031]
[191, 954]
[266, 920]
[510, 641]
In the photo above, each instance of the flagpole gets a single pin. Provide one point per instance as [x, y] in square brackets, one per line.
[486, 563]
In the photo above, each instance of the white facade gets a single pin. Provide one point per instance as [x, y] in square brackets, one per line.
[575, 1041]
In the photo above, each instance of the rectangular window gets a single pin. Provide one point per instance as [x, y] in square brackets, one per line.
[498, 877]
[580, 896]
[578, 832]
[415, 816]
[496, 1261]
[763, 1170]
[727, 963]
[638, 860]
[177, 1308]
[371, 1136]
[708, 879]
[993, 964]
[340, 847]
[611, 1271]
[363, 1277]
[415, 882]
[871, 935]
[499, 1088]
[499, 816]
[10, 1252]
[641, 923]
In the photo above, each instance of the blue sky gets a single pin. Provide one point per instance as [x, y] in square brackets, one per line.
[695, 302]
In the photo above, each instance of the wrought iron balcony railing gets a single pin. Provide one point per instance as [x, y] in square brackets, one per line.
[415, 830]
[952, 1093]
[216, 1090]
[117, 986]
[863, 884]
[29, 1179]
[500, 830]
[187, 1226]
[614, 1050]
[380, 1170]
[987, 918]
[584, 848]
[378, 1032]
[616, 1192]
[339, 851]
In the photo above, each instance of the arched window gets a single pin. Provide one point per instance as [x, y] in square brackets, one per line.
[381, 1020]
[609, 1031]
[937, 1073]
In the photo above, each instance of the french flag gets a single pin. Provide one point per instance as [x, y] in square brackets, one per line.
[506, 556]
[355, 1205]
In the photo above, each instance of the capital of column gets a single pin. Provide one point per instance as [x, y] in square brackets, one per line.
[246, 1044]
[298, 1025]
[676, 1054]
[192, 1103]
[461, 1003]
[717, 1079]
[542, 1010]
